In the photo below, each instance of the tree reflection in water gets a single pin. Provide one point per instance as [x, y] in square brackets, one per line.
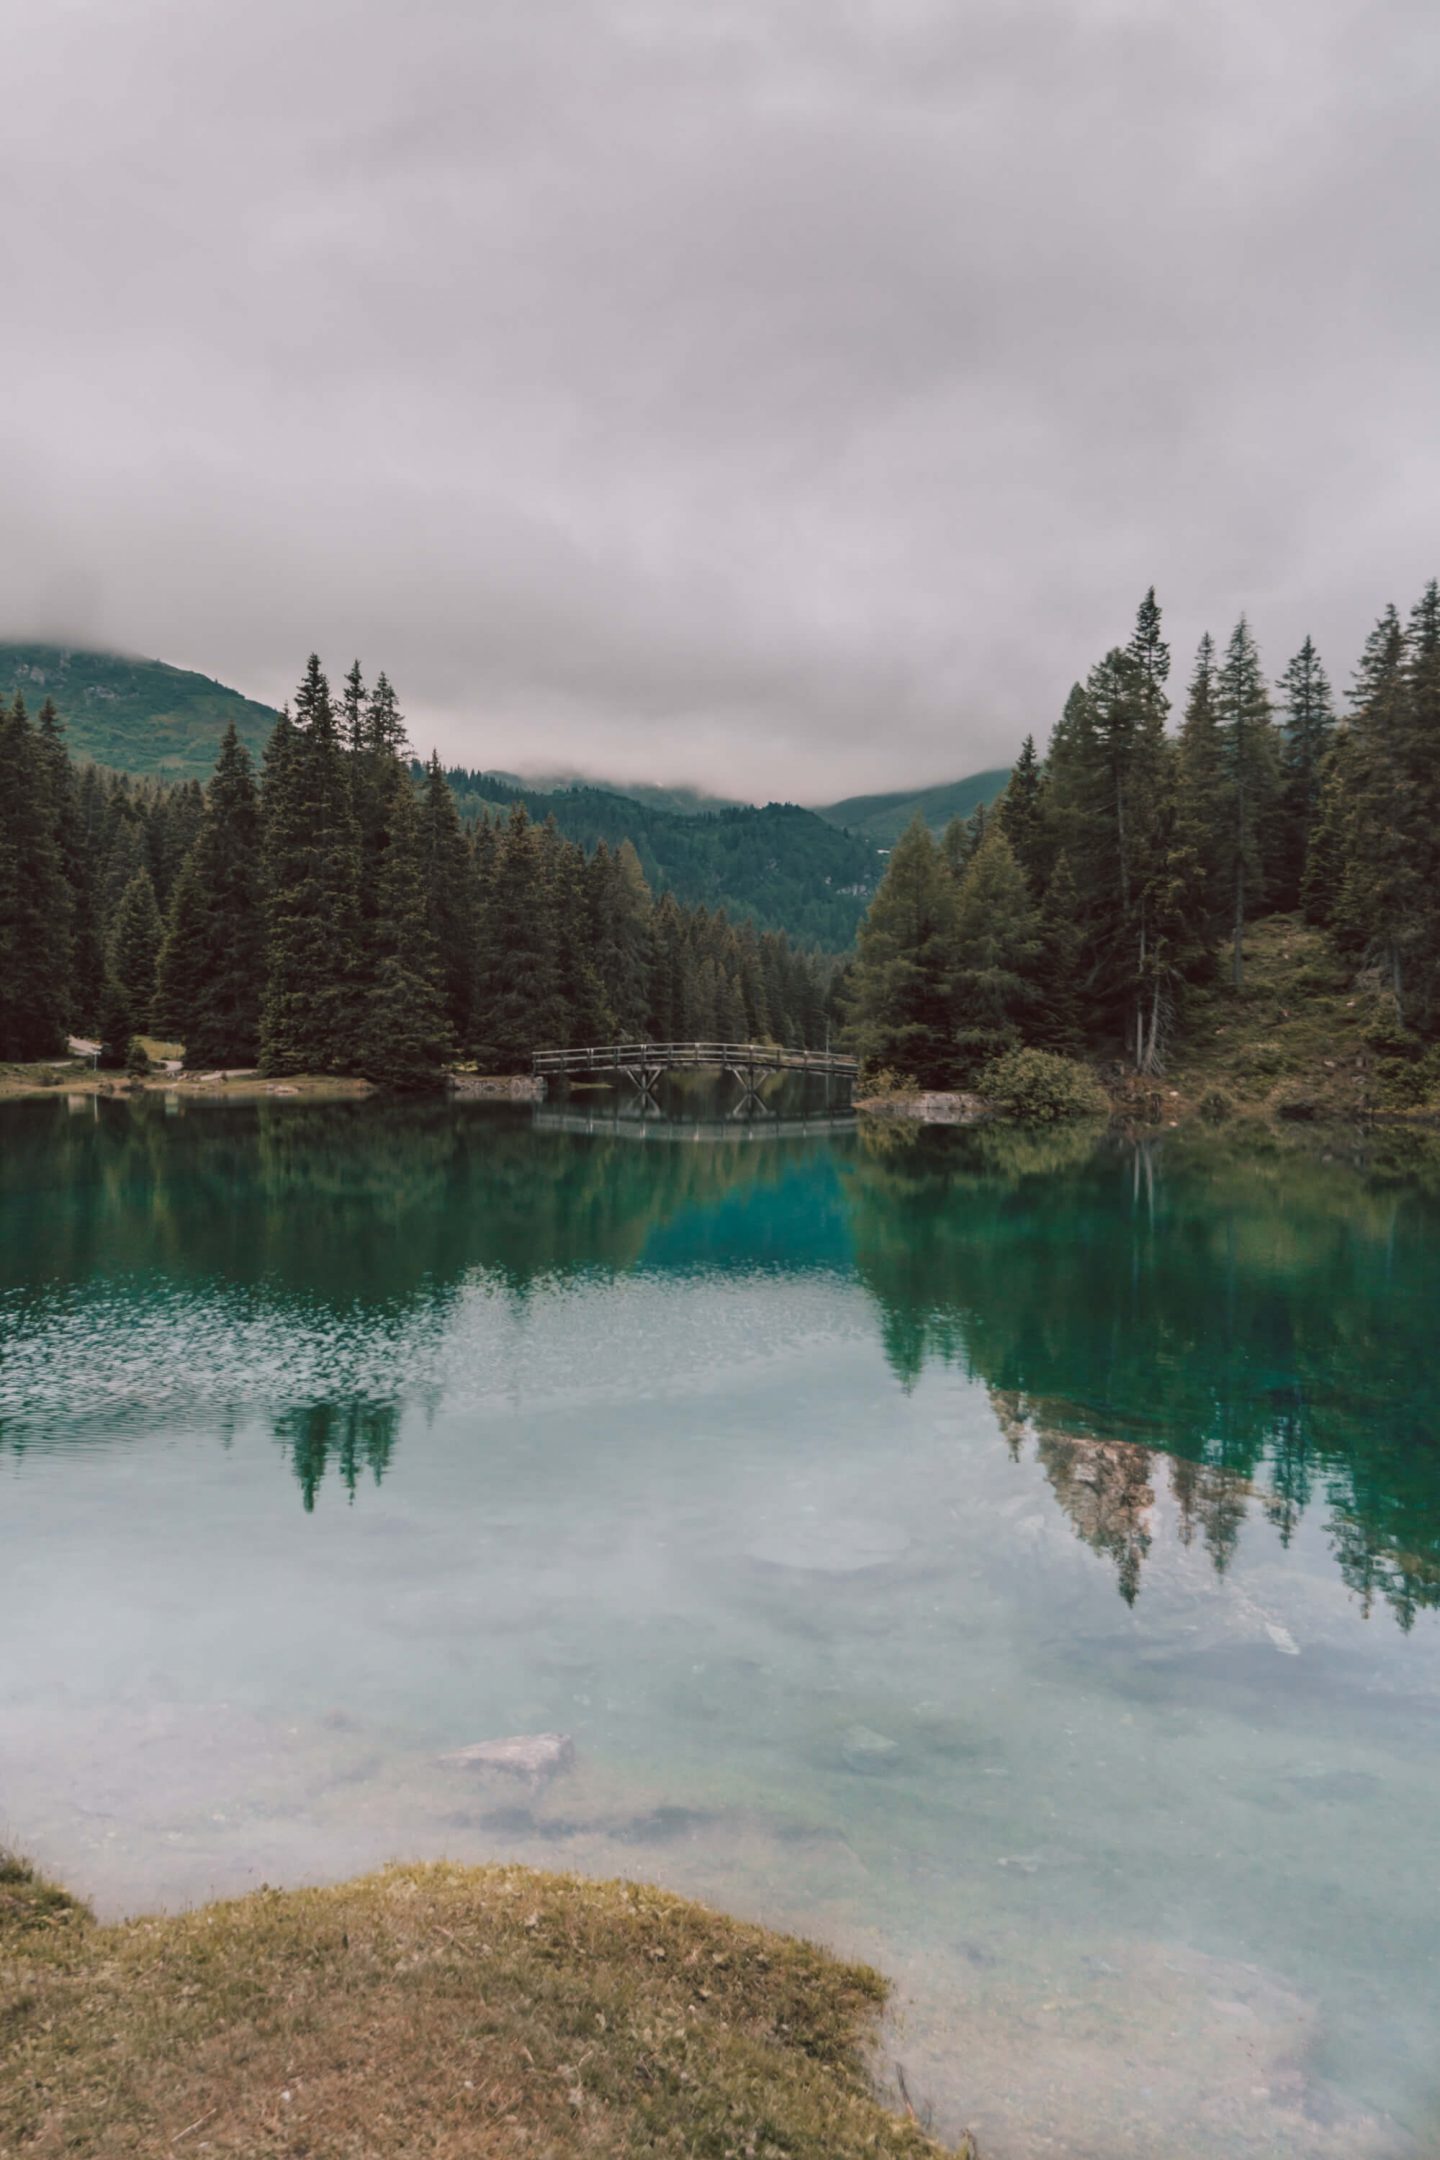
[1236, 1322]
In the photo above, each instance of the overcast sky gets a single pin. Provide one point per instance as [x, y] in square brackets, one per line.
[791, 398]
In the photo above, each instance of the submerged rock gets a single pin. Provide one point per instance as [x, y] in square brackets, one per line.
[862, 1749]
[529, 1755]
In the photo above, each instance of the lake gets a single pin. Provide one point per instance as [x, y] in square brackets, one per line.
[1014, 1558]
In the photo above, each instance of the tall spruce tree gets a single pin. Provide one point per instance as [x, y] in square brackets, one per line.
[1422, 757]
[1307, 729]
[406, 1036]
[184, 955]
[997, 953]
[223, 1027]
[1387, 912]
[1023, 816]
[135, 944]
[451, 899]
[310, 1014]
[519, 1004]
[1251, 772]
[82, 954]
[35, 917]
[903, 979]
[1202, 807]
[1059, 1021]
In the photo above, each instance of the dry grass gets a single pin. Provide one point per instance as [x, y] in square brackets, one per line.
[431, 2011]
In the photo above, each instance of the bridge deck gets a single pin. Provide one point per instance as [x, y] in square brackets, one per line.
[649, 1057]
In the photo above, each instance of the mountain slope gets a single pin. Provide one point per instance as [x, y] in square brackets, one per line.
[685, 801]
[138, 716]
[789, 869]
[784, 866]
[882, 818]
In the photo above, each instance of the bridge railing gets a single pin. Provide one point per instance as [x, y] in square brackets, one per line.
[668, 1057]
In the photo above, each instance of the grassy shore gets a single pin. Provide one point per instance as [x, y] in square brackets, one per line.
[437, 2011]
[1302, 1041]
[76, 1076]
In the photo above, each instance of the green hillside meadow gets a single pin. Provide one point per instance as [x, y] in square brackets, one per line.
[138, 716]
[882, 818]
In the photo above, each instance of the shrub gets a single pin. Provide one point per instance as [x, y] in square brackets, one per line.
[137, 1060]
[882, 1080]
[1215, 1106]
[1404, 1083]
[1038, 1085]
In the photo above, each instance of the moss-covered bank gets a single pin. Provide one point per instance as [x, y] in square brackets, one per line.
[437, 2011]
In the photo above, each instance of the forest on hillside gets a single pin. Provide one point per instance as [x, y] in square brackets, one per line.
[786, 867]
[1121, 868]
[331, 915]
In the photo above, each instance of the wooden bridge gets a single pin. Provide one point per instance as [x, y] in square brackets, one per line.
[644, 1063]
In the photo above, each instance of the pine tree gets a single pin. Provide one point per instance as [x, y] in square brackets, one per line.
[666, 1018]
[904, 972]
[222, 1027]
[1251, 783]
[135, 951]
[311, 863]
[1058, 1022]
[1323, 883]
[35, 922]
[519, 1007]
[1202, 806]
[1023, 817]
[997, 951]
[1111, 778]
[1422, 756]
[184, 955]
[82, 960]
[619, 914]
[448, 869]
[353, 701]
[1388, 911]
[1150, 653]
[405, 1038]
[1379, 884]
[1308, 727]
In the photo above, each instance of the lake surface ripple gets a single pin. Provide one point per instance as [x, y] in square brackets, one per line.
[1014, 1558]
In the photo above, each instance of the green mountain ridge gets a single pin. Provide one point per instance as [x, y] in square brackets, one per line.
[136, 716]
[809, 872]
[882, 818]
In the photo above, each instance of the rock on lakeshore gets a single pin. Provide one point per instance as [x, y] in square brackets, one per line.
[503, 1087]
[932, 1107]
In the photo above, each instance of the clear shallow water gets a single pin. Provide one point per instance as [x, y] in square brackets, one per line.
[1014, 1559]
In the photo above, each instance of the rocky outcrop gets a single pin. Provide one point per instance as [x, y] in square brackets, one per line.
[501, 1087]
[927, 1107]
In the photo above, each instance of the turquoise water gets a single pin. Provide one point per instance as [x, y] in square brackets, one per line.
[1014, 1558]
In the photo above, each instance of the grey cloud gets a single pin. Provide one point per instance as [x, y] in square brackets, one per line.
[788, 395]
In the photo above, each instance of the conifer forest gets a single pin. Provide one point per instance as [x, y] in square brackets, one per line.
[337, 912]
[1122, 869]
[334, 914]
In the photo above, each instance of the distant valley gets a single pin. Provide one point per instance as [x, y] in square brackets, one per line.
[808, 871]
